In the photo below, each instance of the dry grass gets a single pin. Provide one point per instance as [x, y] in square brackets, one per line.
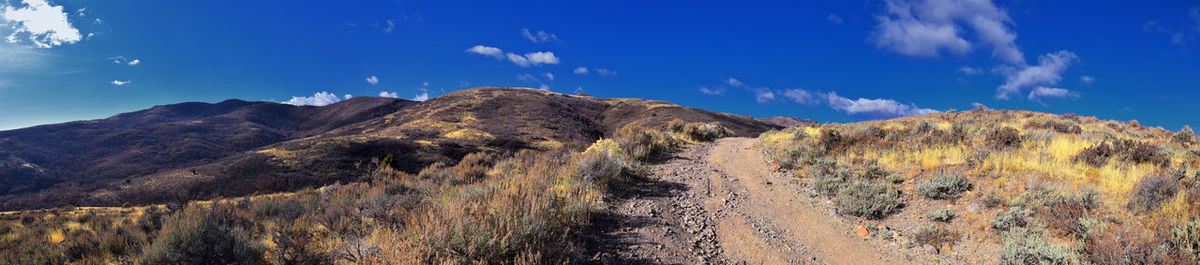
[1092, 166]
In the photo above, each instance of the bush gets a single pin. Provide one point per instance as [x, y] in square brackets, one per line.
[706, 132]
[1151, 192]
[474, 166]
[1128, 245]
[1184, 136]
[1004, 137]
[943, 215]
[1095, 156]
[1064, 213]
[676, 126]
[1023, 247]
[1140, 152]
[645, 144]
[935, 236]
[1015, 217]
[1186, 239]
[944, 187]
[870, 199]
[599, 167]
[197, 235]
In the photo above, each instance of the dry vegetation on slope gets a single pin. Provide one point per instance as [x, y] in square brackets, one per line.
[526, 208]
[1062, 189]
[330, 144]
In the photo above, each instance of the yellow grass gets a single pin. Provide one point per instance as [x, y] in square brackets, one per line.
[470, 134]
[55, 236]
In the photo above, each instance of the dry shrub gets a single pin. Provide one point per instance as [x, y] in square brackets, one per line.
[1140, 152]
[473, 167]
[646, 144]
[830, 140]
[1065, 213]
[1130, 245]
[1067, 127]
[1184, 136]
[1151, 192]
[1004, 137]
[1015, 217]
[1096, 156]
[943, 215]
[200, 235]
[1185, 239]
[706, 132]
[935, 235]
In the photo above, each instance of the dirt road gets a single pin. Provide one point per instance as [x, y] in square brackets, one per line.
[719, 203]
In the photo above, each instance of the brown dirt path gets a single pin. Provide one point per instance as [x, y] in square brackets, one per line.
[716, 203]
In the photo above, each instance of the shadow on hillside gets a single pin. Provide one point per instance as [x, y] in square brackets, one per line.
[612, 232]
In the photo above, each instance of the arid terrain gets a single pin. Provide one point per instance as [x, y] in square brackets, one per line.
[521, 176]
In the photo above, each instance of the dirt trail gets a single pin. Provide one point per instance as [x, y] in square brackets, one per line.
[719, 203]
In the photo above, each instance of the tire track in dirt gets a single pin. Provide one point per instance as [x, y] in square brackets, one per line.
[714, 203]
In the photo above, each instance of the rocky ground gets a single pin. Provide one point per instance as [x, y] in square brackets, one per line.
[720, 203]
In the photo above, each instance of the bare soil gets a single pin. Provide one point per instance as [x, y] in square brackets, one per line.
[721, 203]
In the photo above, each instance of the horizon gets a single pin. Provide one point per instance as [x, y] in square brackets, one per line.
[828, 61]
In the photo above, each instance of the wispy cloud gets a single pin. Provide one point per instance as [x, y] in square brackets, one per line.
[879, 108]
[1181, 35]
[835, 19]
[539, 36]
[599, 71]
[1041, 94]
[712, 91]
[120, 82]
[526, 60]
[1048, 72]
[580, 70]
[800, 96]
[318, 99]
[967, 70]
[45, 25]
[134, 62]
[372, 80]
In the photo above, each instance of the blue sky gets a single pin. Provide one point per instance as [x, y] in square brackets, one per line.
[838, 61]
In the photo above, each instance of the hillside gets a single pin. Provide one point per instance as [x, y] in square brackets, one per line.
[232, 148]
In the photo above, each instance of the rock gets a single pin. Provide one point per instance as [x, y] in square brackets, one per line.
[974, 208]
[929, 249]
[862, 231]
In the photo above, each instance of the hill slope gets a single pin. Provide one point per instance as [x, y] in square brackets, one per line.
[199, 150]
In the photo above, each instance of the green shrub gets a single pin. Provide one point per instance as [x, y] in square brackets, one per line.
[1186, 239]
[599, 168]
[831, 182]
[197, 235]
[870, 199]
[944, 187]
[1015, 217]
[1023, 247]
[1151, 192]
[943, 215]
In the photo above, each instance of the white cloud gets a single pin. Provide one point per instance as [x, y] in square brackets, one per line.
[539, 37]
[134, 62]
[967, 70]
[549, 76]
[529, 59]
[347, 96]
[604, 72]
[1040, 94]
[518, 59]
[373, 80]
[527, 78]
[581, 70]
[487, 51]
[835, 19]
[734, 82]
[1047, 72]
[319, 99]
[46, 25]
[423, 96]
[925, 28]
[544, 87]
[883, 108]
[711, 91]
[542, 58]
[121, 82]
[386, 94]
[1087, 79]
[391, 25]
[763, 95]
[800, 96]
